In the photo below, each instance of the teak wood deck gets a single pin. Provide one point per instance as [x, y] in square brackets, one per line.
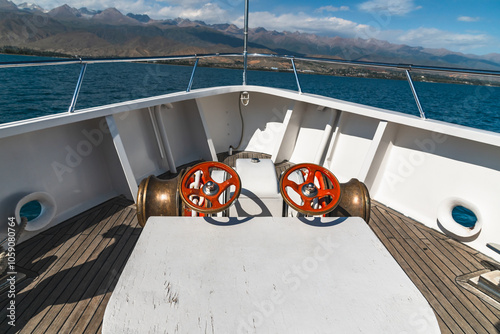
[75, 267]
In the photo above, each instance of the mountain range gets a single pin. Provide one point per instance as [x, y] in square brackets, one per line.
[95, 33]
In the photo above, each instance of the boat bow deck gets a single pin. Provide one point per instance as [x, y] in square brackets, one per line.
[77, 265]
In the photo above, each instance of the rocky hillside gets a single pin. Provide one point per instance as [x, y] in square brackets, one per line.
[91, 33]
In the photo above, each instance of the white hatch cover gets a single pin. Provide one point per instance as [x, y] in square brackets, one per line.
[260, 195]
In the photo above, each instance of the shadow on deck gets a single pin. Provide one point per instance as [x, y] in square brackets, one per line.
[78, 264]
[79, 261]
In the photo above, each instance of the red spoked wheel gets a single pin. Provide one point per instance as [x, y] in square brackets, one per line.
[317, 196]
[201, 193]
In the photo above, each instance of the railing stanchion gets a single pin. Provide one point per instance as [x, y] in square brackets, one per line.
[77, 88]
[419, 106]
[296, 76]
[192, 75]
[245, 44]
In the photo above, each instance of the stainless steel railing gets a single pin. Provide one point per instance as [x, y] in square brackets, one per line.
[407, 68]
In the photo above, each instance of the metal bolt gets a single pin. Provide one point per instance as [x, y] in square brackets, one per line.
[309, 190]
[210, 188]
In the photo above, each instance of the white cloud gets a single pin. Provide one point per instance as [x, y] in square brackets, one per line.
[217, 11]
[436, 38]
[394, 7]
[468, 19]
[332, 9]
[303, 23]
[209, 13]
[135, 6]
[185, 3]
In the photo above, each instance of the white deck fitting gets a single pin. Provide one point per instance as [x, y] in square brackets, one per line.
[122, 154]
[264, 275]
[260, 195]
[409, 164]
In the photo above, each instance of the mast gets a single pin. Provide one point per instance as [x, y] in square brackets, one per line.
[245, 44]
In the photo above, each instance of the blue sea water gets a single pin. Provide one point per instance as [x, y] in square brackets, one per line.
[36, 91]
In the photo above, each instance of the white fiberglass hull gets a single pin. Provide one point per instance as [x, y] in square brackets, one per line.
[421, 168]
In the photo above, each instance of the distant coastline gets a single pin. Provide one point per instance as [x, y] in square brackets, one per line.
[283, 66]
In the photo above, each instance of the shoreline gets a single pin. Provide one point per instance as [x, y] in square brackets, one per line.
[303, 68]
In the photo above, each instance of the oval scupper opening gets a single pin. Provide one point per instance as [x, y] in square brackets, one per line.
[31, 210]
[40, 217]
[464, 216]
[459, 218]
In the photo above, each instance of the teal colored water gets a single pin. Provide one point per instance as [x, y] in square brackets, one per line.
[31, 210]
[37, 91]
[464, 216]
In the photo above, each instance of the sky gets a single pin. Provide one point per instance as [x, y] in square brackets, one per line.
[467, 26]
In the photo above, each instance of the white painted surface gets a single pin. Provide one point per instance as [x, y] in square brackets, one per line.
[372, 151]
[313, 134]
[186, 135]
[209, 138]
[263, 119]
[448, 223]
[222, 119]
[422, 169]
[264, 275]
[286, 141]
[353, 144]
[137, 136]
[466, 165]
[76, 164]
[259, 195]
[48, 209]
[123, 156]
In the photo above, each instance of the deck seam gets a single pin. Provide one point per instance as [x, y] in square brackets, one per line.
[91, 238]
[455, 289]
[425, 279]
[86, 280]
[447, 320]
[435, 265]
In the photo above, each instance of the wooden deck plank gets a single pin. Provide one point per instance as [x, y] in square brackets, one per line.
[35, 253]
[85, 321]
[50, 293]
[100, 282]
[60, 234]
[485, 310]
[61, 245]
[36, 291]
[428, 277]
[438, 264]
[469, 261]
[95, 324]
[414, 229]
[452, 292]
[82, 221]
[43, 287]
[485, 319]
[97, 258]
[79, 262]
[446, 253]
[67, 285]
[473, 311]
[414, 273]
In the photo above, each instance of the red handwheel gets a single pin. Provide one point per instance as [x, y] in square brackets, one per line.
[201, 193]
[316, 196]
